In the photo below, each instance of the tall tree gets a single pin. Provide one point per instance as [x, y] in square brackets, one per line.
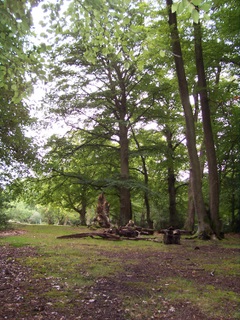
[204, 228]
[96, 79]
[146, 182]
[208, 132]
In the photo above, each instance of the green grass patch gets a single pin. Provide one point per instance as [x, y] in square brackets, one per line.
[73, 266]
[210, 300]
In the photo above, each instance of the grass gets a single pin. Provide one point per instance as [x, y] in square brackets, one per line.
[78, 263]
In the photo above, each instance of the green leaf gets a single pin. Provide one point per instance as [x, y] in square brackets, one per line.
[205, 7]
[191, 8]
[174, 7]
[181, 7]
[126, 65]
[162, 53]
[185, 3]
[195, 16]
[140, 65]
[197, 2]
[206, 17]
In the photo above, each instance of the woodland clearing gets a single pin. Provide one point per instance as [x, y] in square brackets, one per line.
[43, 277]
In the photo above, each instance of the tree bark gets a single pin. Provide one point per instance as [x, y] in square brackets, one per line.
[146, 195]
[203, 221]
[125, 196]
[171, 181]
[121, 114]
[208, 134]
[190, 220]
[82, 210]
[82, 214]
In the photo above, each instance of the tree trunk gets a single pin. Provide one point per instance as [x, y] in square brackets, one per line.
[121, 114]
[146, 196]
[204, 227]
[208, 134]
[125, 196]
[82, 214]
[190, 220]
[171, 181]
[81, 209]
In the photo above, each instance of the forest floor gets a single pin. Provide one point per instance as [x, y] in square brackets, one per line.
[135, 280]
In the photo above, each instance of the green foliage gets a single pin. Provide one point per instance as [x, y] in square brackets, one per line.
[18, 60]
[20, 212]
[193, 7]
[4, 224]
[95, 49]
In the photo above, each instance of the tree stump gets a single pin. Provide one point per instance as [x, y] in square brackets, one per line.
[171, 236]
[103, 207]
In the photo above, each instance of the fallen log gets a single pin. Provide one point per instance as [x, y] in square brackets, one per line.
[129, 232]
[103, 235]
[145, 231]
[141, 238]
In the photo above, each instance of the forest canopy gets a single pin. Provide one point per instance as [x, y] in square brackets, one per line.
[145, 96]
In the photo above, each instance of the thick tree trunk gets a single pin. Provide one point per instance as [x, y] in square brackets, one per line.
[208, 134]
[125, 196]
[121, 114]
[203, 221]
[171, 181]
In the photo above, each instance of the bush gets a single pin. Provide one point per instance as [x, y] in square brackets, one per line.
[3, 221]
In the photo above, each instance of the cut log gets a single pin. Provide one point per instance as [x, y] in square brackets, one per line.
[171, 236]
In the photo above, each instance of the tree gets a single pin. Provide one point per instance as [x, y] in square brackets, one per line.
[108, 80]
[204, 228]
[208, 133]
[146, 182]
[96, 79]
[17, 59]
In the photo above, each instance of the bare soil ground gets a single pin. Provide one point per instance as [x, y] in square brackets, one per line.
[23, 295]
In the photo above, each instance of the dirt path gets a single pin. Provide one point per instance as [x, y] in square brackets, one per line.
[144, 282]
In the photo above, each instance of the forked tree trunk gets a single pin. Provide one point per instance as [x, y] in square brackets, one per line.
[190, 220]
[204, 228]
[208, 134]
